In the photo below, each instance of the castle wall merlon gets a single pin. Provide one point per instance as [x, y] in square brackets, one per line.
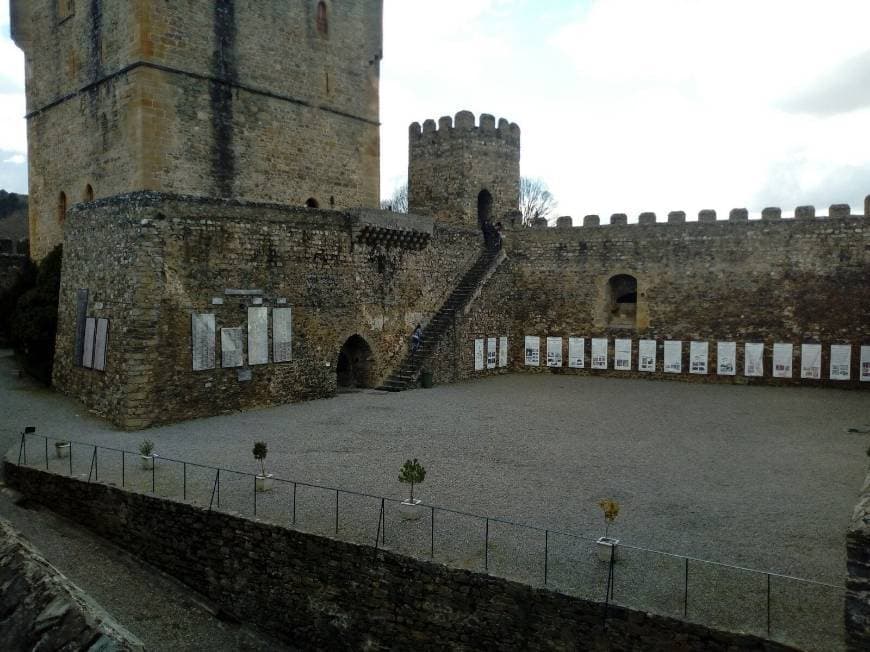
[20, 22]
[464, 123]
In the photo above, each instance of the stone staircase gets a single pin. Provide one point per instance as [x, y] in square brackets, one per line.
[406, 375]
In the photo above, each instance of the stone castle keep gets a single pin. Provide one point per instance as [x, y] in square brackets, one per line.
[213, 174]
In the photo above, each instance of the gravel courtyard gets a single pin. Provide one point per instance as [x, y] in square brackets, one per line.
[760, 477]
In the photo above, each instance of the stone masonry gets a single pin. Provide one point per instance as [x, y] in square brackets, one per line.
[857, 611]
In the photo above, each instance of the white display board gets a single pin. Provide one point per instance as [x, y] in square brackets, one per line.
[622, 355]
[478, 355]
[533, 351]
[646, 355]
[554, 351]
[282, 334]
[726, 358]
[599, 353]
[576, 352]
[491, 353]
[865, 364]
[699, 354]
[841, 361]
[673, 356]
[753, 359]
[101, 344]
[88, 352]
[258, 336]
[502, 352]
[232, 344]
[811, 361]
[203, 340]
[783, 353]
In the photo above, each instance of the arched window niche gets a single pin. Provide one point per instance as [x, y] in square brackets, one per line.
[61, 207]
[622, 301]
[322, 19]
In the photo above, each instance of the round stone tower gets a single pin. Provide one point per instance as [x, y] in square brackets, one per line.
[462, 173]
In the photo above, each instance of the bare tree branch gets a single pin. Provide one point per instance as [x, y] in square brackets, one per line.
[536, 200]
[398, 201]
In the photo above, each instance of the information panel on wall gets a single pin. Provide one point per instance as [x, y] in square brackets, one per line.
[865, 364]
[811, 361]
[782, 357]
[533, 351]
[841, 361]
[576, 352]
[699, 354]
[646, 355]
[232, 343]
[673, 356]
[101, 344]
[282, 334]
[753, 360]
[554, 351]
[726, 358]
[503, 352]
[491, 353]
[622, 355]
[81, 320]
[478, 355]
[599, 353]
[203, 341]
[88, 351]
[258, 336]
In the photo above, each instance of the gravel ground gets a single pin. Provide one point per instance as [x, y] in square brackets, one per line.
[761, 477]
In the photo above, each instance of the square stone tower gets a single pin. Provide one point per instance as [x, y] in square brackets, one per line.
[260, 100]
[462, 173]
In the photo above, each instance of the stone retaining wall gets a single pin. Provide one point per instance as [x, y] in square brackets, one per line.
[858, 574]
[319, 593]
[40, 609]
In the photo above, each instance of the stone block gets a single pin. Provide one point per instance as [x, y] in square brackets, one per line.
[738, 215]
[646, 218]
[539, 223]
[591, 220]
[564, 222]
[771, 213]
[676, 217]
[619, 219]
[805, 212]
[707, 216]
[840, 210]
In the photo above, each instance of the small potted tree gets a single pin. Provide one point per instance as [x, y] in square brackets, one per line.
[264, 480]
[606, 545]
[147, 454]
[61, 448]
[412, 472]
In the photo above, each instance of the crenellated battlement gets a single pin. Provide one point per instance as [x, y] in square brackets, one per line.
[709, 216]
[462, 125]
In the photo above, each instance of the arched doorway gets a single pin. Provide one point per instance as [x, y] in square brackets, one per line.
[311, 202]
[622, 300]
[484, 207]
[354, 364]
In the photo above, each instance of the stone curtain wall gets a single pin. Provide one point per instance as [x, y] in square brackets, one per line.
[43, 610]
[450, 163]
[150, 261]
[235, 98]
[319, 593]
[795, 281]
[857, 612]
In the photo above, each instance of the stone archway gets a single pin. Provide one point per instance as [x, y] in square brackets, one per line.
[484, 207]
[622, 301]
[354, 367]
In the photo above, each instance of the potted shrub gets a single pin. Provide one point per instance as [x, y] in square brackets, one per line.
[607, 545]
[412, 472]
[263, 480]
[61, 448]
[146, 454]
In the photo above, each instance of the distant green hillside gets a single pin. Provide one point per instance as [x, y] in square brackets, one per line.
[12, 204]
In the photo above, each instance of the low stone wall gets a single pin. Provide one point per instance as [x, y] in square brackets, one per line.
[319, 593]
[857, 612]
[40, 609]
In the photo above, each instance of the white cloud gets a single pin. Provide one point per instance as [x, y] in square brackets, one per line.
[17, 159]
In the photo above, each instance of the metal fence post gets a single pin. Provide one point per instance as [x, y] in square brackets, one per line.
[154, 475]
[546, 554]
[608, 588]
[336, 511]
[184, 480]
[46, 453]
[91, 468]
[432, 536]
[486, 548]
[768, 605]
[294, 503]
[214, 489]
[23, 449]
[255, 496]
[380, 521]
[70, 458]
[96, 464]
[686, 590]
[123, 468]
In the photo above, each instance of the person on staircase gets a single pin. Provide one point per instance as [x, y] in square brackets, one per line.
[416, 339]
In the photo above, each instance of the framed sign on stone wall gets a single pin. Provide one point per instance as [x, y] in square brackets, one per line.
[782, 357]
[101, 344]
[478, 355]
[673, 356]
[554, 351]
[491, 353]
[503, 351]
[699, 353]
[88, 350]
[726, 358]
[646, 355]
[599, 353]
[232, 347]
[282, 334]
[841, 361]
[203, 341]
[753, 359]
[532, 351]
[258, 335]
[622, 355]
[576, 352]
[865, 364]
[81, 321]
[811, 361]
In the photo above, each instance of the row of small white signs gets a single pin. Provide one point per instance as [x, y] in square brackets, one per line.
[203, 345]
[699, 355]
[490, 353]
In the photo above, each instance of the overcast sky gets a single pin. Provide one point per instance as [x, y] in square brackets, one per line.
[624, 105]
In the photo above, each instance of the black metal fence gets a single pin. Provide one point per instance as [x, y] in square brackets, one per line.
[805, 613]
